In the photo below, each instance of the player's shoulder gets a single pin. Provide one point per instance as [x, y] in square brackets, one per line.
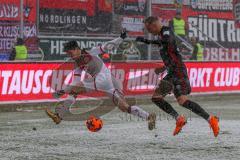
[86, 51]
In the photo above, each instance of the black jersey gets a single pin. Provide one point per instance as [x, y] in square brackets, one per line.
[169, 52]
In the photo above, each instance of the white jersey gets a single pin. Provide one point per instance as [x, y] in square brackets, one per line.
[93, 65]
[89, 60]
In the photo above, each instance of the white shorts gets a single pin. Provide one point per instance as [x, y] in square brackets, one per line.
[103, 81]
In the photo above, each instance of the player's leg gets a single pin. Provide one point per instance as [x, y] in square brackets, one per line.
[181, 90]
[197, 109]
[192, 106]
[184, 89]
[75, 88]
[161, 91]
[105, 82]
[62, 110]
[120, 101]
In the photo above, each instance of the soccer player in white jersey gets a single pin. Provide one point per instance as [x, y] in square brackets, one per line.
[100, 79]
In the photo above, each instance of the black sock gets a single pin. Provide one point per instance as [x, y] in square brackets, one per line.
[165, 106]
[194, 107]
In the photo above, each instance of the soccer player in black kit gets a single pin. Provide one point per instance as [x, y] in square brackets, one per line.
[176, 80]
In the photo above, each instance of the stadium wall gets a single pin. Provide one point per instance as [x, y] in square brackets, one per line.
[27, 82]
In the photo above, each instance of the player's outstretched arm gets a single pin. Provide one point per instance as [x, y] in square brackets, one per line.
[110, 44]
[115, 42]
[147, 41]
[143, 40]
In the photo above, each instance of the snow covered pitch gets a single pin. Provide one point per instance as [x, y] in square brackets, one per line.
[33, 136]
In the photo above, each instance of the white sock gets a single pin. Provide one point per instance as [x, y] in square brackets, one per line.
[137, 111]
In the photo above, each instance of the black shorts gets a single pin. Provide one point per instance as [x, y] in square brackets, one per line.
[181, 85]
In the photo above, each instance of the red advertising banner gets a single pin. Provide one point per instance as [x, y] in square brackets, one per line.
[236, 10]
[8, 33]
[30, 81]
[10, 10]
[74, 16]
[85, 5]
[10, 26]
[213, 21]
[82, 17]
[165, 12]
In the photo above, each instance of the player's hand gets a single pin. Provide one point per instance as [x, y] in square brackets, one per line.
[143, 40]
[160, 70]
[58, 94]
[123, 34]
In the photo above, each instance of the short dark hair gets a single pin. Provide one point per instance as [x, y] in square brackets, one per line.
[150, 19]
[70, 46]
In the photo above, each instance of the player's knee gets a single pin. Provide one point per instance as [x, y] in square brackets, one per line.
[181, 100]
[157, 99]
[123, 108]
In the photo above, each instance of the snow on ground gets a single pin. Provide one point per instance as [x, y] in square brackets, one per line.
[122, 138]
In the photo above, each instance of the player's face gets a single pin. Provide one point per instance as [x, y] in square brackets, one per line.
[154, 28]
[74, 53]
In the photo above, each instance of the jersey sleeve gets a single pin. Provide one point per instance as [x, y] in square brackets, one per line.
[106, 46]
[96, 50]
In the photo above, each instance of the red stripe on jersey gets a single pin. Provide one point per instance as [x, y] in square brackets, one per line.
[177, 61]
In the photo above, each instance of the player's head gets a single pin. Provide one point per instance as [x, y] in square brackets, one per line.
[153, 25]
[72, 49]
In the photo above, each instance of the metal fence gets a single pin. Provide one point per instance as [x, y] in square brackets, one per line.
[47, 24]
